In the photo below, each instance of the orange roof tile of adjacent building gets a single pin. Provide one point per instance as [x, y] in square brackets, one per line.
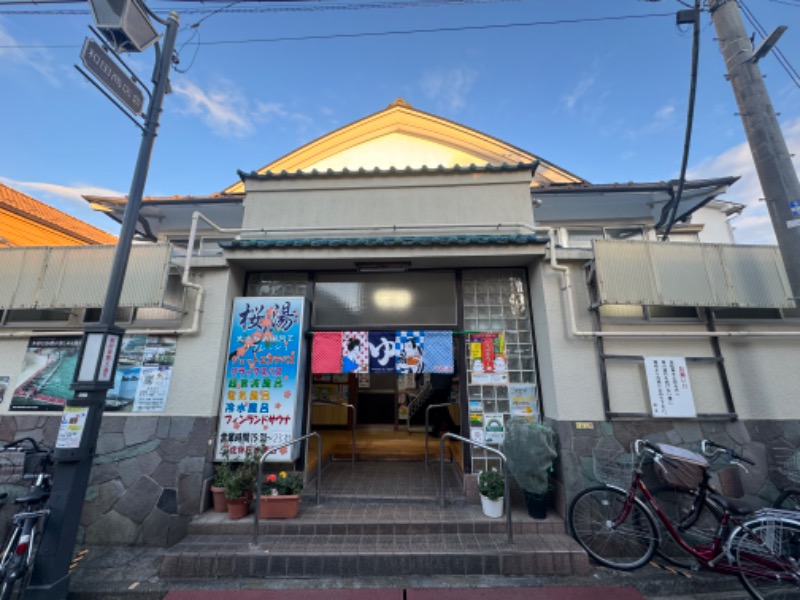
[25, 221]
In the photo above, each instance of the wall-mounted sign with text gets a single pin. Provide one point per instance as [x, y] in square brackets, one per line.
[668, 383]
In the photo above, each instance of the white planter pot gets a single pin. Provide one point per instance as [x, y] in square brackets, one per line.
[492, 508]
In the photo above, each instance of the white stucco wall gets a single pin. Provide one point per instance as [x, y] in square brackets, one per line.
[759, 369]
[200, 359]
[364, 201]
[716, 227]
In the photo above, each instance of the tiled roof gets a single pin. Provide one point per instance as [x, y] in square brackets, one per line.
[440, 170]
[438, 240]
[47, 217]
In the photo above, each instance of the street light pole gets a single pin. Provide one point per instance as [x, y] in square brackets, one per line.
[50, 579]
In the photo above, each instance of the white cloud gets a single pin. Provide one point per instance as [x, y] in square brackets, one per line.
[267, 111]
[224, 109]
[449, 89]
[665, 113]
[67, 198]
[36, 59]
[228, 112]
[754, 225]
[71, 193]
[579, 91]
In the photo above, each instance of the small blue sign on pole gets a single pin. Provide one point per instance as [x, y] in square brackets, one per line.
[794, 207]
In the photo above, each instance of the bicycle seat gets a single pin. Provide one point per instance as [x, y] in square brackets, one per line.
[735, 507]
[33, 498]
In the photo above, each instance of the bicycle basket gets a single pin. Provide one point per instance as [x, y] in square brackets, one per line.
[613, 466]
[789, 463]
[685, 468]
[12, 467]
[35, 463]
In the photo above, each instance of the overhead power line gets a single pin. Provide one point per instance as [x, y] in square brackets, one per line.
[403, 32]
[779, 56]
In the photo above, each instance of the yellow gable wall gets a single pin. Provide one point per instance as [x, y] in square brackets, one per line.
[400, 151]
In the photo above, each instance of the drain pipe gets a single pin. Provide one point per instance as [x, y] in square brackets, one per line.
[566, 288]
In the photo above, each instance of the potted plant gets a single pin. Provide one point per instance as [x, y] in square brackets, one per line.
[280, 496]
[222, 472]
[531, 451]
[491, 486]
[239, 489]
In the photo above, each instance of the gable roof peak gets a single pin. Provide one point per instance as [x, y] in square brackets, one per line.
[399, 102]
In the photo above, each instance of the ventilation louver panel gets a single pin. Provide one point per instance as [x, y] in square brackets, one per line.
[681, 274]
[77, 277]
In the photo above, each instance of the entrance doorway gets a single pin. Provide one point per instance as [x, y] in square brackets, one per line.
[382, 416]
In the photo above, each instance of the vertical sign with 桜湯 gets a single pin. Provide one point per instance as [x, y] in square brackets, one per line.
[668, 384]
[261, 404]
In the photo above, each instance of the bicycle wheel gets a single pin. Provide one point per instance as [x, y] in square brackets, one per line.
[696, 520]
[767, 554]
[9, 563]
[18, 574]
[629, 545]
[788, 500]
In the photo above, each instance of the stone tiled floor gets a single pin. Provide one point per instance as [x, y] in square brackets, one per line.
[390, 480]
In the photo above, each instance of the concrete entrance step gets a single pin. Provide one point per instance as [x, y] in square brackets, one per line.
[357, 540]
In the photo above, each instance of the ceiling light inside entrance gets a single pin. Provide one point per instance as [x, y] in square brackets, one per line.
[392, 299]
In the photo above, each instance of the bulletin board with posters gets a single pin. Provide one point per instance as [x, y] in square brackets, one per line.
[141, 381]
[262, 395]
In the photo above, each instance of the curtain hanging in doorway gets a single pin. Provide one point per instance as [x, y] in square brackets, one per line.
[438, 352]
[382, 352]
[326, 352]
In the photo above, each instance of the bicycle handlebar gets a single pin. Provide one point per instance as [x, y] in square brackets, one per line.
[639, 444]
[712, 449]
[18, 444]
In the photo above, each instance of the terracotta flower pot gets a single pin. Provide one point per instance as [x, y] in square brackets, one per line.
[219, 499]
[279, 507]
[238, 508]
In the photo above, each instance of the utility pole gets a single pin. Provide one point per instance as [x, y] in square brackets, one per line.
[778, 177]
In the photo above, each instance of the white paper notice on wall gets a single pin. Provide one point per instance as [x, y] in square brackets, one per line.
[668, 383]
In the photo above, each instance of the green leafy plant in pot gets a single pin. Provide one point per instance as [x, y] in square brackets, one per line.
[491, 487]
[531, 451]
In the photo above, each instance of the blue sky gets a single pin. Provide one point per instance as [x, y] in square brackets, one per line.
[599, 88]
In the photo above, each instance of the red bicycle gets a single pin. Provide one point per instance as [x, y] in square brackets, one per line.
[617, 528]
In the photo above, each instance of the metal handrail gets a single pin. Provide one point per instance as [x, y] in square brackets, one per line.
[428, 426]
[349, 406]
[259, 480]
[506, 479]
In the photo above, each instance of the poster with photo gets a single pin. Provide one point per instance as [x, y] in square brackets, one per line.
[144, 371]
[47, 372]
[494, 428]
[262, 395]
[488, 363]
[49, 367]
[523, 401]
